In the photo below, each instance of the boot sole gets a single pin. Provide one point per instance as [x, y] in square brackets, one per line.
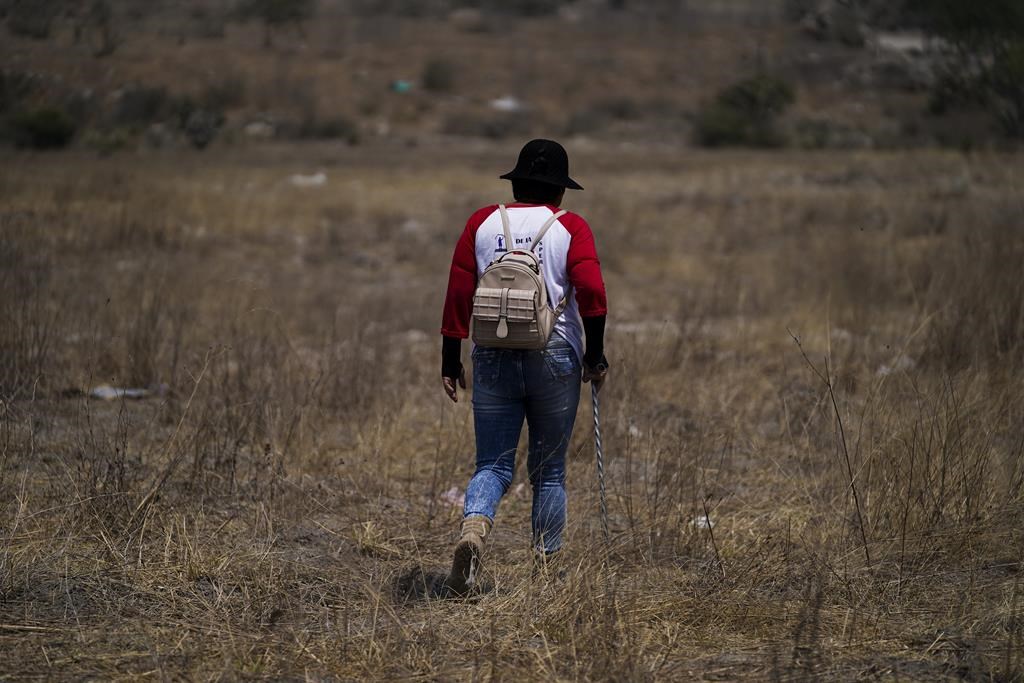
[465, 565]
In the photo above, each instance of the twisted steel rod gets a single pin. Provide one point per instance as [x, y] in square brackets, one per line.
[600, 462]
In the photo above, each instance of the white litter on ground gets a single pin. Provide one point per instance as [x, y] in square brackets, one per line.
[702, 522]
[318, 179]
[105, 392]
[507, 103]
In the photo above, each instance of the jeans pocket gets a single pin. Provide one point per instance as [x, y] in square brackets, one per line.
[486, 366]
[562, 362]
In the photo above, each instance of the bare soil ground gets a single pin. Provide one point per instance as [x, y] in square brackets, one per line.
[820, 352]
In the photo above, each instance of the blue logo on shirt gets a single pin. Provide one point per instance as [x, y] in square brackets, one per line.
[521, 243]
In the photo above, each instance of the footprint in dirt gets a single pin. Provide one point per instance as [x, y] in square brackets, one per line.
[418, 583]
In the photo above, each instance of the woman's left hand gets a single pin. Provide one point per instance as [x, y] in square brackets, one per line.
[450, 382]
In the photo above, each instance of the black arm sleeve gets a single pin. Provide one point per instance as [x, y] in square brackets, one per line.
[451, 357]
[594, 328]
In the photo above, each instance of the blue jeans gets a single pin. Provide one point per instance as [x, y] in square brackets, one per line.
[544, 388]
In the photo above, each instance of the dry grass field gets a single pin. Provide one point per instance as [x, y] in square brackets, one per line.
[822, 352]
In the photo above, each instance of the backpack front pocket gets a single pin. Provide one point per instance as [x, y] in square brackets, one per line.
[504, 314]
[487, 304]
[520, 306]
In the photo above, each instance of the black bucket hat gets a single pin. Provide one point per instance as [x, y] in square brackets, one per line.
[543, 161]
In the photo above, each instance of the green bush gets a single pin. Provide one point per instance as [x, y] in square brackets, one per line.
[744, 114]
[42, 128]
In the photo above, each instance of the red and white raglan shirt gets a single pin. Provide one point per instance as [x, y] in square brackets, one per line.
[568, 260]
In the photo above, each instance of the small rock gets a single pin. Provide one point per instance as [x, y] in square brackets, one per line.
[260, 130]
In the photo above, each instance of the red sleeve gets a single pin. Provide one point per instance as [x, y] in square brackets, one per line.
[584, 267]
[458, 302]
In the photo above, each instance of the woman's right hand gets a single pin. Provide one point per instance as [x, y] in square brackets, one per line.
[596, 373]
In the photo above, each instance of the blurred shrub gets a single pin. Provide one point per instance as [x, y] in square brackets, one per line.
[106, 142]
[139, 105]
[986, 62]
[621, 108]
[99, 19]
[813, 133]
[208, 22]
[1007, 85]
[199, 123]
[335, 128]
[795, 10]
[201, 126]
[14, 88]
[439, 76]
[32, 18]
[493, 126]
[816, 133]
[718, 125]
[226, 93]
[885, 14]
[601, 113]
[847, 27]
[47, 128]
[276, 13]
[528, 8]
[585, 121]
[745, 114]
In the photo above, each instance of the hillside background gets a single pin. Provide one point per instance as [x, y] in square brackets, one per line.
[159, 73]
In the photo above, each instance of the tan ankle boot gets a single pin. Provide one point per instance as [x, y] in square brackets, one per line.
[468, 551]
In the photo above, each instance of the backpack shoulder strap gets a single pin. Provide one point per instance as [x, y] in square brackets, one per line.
[544, 228]
[560, 308]
[505, 228]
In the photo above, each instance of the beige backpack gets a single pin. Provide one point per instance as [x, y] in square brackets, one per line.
[510, 305]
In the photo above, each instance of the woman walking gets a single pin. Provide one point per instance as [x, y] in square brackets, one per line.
[540, 385]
